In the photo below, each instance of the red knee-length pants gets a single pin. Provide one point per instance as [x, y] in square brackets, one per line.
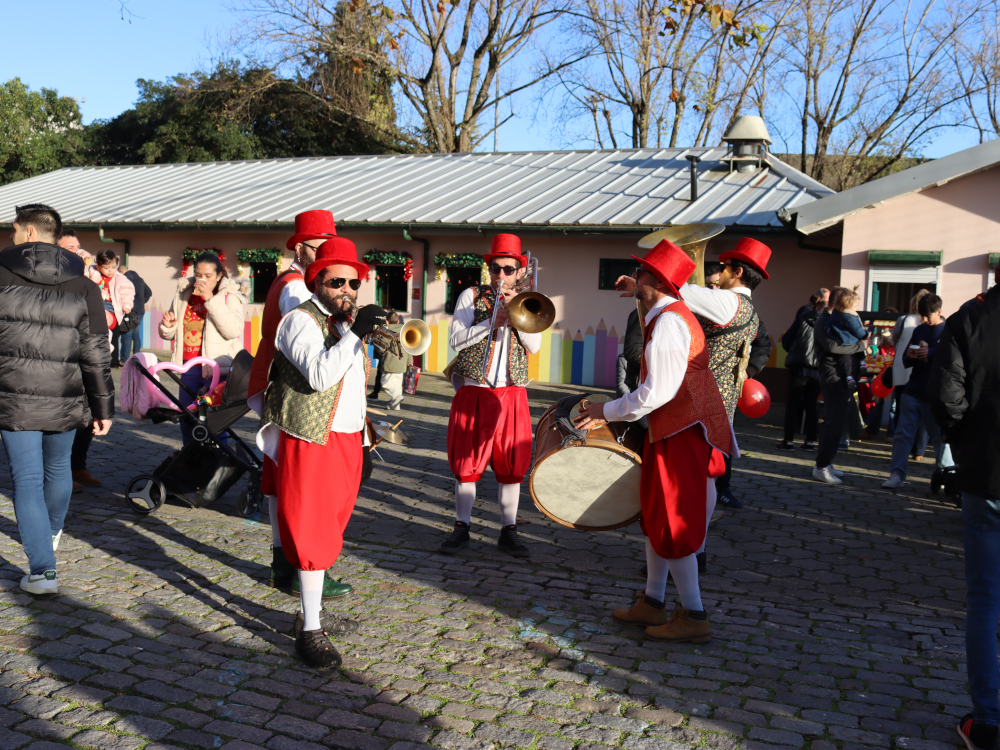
[673, 487]
[317, 488]
[490, 425]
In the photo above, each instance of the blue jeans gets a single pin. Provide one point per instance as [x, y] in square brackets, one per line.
[130, 343]
[195, 382]
[981, 535]
[43, 483]
[913, 413]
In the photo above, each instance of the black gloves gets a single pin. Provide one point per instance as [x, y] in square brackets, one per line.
[366, 463]
[368, 318]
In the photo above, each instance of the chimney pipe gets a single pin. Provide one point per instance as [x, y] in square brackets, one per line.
[693, 160]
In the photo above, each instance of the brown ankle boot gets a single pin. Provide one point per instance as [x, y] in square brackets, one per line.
[85, 478]
[681, 629]
[641, 613]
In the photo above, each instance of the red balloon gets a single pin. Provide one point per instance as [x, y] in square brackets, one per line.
[879, 389]
[755, 400]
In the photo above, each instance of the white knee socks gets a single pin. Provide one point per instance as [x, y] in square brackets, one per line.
[711, 497]
[656, 577]
[508, 499]
[311, 583]
[684, 571]
[272, 513]
[465, 496]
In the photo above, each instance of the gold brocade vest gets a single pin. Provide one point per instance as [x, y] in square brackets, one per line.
[698, 399]
[291, 404]
[469, 363]
[729, 350]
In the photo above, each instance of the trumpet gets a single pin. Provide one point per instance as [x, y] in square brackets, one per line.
[529, 311]
[414, 338]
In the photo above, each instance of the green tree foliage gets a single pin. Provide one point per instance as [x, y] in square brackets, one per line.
[39, 131]
[234, 113]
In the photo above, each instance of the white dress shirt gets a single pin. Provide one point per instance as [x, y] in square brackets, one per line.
[718, 305]
[464, 334]
[666, 357]
[294, 292]
[302, 342]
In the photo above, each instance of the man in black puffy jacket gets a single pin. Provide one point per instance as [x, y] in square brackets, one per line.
[55, 376]
[962, 389]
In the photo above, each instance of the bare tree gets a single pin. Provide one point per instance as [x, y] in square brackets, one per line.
[453, 61]
[977, 67]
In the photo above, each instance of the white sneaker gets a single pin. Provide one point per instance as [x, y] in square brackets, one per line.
[894, 482]
[55, 540]
[47, 583]
[825, 475]
[835, 471]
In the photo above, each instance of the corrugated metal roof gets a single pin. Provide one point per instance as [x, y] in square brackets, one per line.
[549, 189]
[834, 209]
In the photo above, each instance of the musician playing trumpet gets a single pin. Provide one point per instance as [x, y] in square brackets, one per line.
[489, 421]
[689, 433]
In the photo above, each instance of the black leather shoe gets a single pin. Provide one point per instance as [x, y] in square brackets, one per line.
[329, 623]
[316, 649]
[727, 498]
[283, 573]
[459, 539]
[509, 542]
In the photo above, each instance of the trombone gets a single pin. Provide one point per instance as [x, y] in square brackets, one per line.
[414, 338]
[529, 311]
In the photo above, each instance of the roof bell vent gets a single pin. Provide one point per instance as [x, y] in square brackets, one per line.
[748, 140]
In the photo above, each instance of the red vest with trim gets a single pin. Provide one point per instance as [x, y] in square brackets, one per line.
[269, 320]
[698, 399]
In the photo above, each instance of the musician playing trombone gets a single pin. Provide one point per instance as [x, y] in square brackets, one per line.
[489, 421]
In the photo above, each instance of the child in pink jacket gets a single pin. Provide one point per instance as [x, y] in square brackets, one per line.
[117, 291]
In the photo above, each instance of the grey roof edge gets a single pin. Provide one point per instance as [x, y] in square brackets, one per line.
[789, 172]
[832, 209]
[365, 227]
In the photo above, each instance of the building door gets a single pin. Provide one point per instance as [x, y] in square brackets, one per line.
[391, 288]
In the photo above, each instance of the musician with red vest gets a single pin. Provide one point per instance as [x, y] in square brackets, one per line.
[312, 229]
[689, 433]
[489, 421]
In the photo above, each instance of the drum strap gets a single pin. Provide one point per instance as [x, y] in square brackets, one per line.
[563, 415]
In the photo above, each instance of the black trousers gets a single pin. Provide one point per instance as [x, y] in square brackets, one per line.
[377, 387]
[835, 400]
[803, 393]
[723, 482]
[81, 445]
[115, 350]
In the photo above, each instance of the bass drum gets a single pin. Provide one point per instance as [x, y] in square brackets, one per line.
[590, 484]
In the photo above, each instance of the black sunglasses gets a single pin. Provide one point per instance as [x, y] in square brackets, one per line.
[496, 268]
[338, 282]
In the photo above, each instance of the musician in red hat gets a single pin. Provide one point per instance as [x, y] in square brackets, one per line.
[688, 434]
[730, 323]
[312, 428]
[312, 229]
[489, 421]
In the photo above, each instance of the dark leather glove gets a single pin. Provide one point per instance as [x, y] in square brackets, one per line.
[368, 318]
[366, 463]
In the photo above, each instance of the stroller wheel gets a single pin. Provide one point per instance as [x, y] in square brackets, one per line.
[250, 502]
[145, 494]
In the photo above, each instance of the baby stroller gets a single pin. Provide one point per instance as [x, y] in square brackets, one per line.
[206, 467]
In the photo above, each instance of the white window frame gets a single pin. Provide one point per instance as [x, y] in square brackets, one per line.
[902, 275]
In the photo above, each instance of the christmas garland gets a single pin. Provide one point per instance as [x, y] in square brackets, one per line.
[444, 261]
[377, 258]
[190, 253]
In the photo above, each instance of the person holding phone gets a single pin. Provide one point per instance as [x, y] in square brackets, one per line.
[207, 312]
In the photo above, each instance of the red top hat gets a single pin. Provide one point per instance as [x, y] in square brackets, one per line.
[669, 264]
[506, 246]
[312, 225]
[752, 253]
[335, 252]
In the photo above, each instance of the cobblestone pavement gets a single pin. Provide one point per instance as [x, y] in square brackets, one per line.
[837, 616]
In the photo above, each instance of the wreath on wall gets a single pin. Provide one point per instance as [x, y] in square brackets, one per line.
[190, 253]
[378, 258]
[444, 261]
[258, 255]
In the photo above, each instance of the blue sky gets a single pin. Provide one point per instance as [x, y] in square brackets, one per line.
[90, 53]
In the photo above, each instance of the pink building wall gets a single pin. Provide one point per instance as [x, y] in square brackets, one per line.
[961, 218]
[589, 322]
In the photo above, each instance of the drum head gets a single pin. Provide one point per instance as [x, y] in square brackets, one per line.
[587, 487]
